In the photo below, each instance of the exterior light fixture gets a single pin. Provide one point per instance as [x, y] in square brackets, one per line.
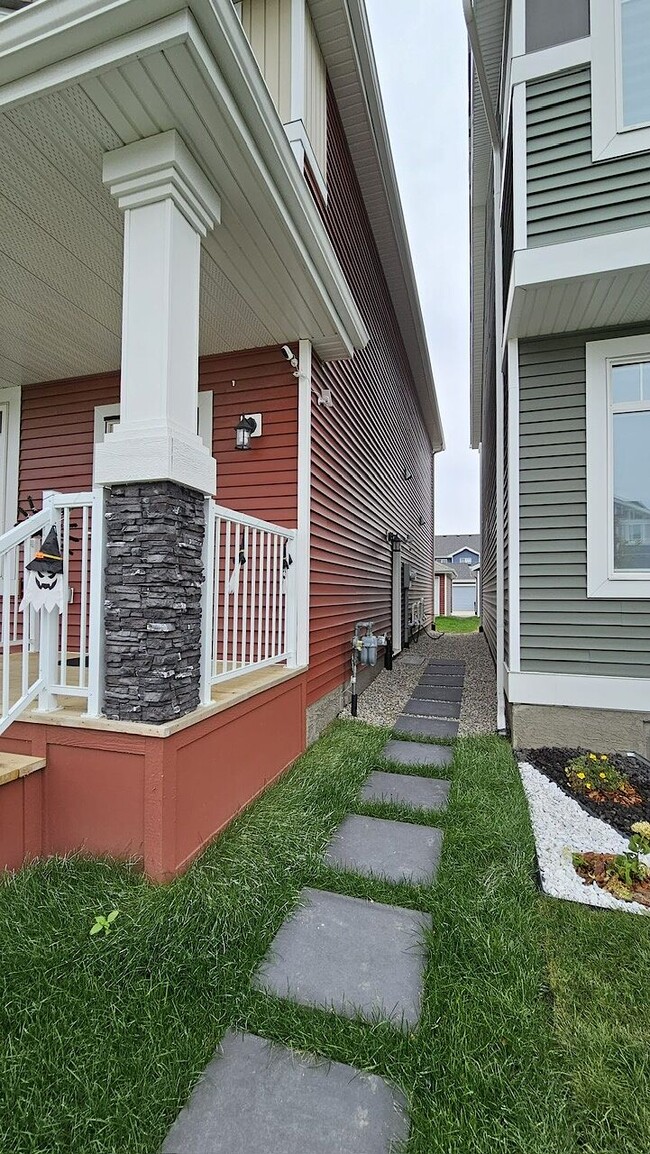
[244, 431]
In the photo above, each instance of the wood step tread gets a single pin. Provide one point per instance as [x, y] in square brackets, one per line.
[14, 765]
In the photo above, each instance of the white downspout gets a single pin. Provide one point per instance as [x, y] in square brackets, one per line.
[304, 502]
[495, 140]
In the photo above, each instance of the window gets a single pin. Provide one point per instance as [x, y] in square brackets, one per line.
[618, 478]
[107, 418]
[620, 78]
[550, 22]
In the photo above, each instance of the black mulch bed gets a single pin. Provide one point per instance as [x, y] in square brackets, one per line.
[553, 762]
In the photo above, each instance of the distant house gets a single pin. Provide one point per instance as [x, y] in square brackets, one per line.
[461, 554]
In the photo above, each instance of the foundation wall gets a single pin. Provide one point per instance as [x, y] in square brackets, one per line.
[536, 726]
[158, 800]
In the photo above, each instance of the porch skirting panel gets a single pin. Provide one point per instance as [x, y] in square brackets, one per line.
[159, 800]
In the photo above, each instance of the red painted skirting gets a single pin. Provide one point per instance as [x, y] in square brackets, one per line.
[158, 800]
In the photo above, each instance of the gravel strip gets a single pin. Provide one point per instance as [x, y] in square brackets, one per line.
[383, 701]
[561, 828]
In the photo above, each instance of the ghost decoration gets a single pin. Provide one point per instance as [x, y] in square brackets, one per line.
[44, 588]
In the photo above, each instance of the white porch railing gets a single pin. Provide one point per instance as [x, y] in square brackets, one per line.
[51, 655]
[249, 610]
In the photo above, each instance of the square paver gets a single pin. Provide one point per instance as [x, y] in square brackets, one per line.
[350, 956]
[391, 849]
[454, 680]
[417, 753]
[438, 693]
[406, 789]
[426, 726]
[445, 667]
[432, 708]
[256, 1097]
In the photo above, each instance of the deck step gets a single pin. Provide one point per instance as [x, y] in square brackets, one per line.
[14, 765]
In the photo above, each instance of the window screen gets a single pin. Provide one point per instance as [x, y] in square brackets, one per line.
[550, 22]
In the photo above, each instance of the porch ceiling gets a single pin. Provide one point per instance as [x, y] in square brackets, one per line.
[581, 303]
[269, 274]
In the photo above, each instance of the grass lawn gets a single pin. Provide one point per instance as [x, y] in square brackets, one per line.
[457, 624]
[534, 1035]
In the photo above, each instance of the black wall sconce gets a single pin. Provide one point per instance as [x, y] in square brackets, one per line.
[247, 427]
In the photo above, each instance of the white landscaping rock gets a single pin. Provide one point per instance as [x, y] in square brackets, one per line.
[562, 828]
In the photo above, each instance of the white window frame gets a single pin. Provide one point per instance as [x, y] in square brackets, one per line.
[205, 424]
[10, 400]
[609, 138]
[602, 579]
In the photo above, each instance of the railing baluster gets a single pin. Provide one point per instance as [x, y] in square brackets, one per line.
[237, 575]
[226, 597]
[83, 596]
[24, 648]
[6, 629]
[217, 579]
[267, 606]
[253, 574]
[244, 607]
[65, 550]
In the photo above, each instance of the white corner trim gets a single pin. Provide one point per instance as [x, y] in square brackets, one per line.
[12, 398]
[160, 168]
[602, 581]
[548, 61]
[628, 694]
[514, 624]
[518, 18]
[298, 135]
[519, 168]
[592, 256]
[304, 502]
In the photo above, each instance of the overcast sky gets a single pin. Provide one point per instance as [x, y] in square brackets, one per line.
[422, 62]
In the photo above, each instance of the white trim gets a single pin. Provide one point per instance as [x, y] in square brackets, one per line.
[96, 631]
[548, 61]
[591, 256]
[514, 621]
[298, 59]
[519, 170]
[628, 694]
[518, 27]
[500, 446]
[608, 138]
[602, 580]
[299, 139]
[205, 419]
[303, 542]
[12, 398]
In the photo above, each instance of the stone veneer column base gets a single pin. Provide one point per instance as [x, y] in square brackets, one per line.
[153, 581]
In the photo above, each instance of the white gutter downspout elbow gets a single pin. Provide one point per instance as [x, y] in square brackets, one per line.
[495, 140]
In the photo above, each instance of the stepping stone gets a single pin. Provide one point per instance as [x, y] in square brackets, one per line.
[445, 667]
[405, 789]
[417, 753]
[453, 681]
[350, 956]
[426, 726]
[256, 1097]
[391, 849]
[438, 693]
[433, 708]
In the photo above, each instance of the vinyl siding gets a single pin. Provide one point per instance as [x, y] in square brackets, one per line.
[267, 24]
[315, 95]
[361, 447]
[506, 543]
[561, 630]
[568, 196]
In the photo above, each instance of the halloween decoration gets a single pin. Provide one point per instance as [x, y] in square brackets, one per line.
[234, 576]
[44, 588]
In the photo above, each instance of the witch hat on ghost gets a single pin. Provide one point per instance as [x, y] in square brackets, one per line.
[48, 559]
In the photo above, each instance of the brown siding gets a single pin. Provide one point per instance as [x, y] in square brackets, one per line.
[361, 448]
[58, 429]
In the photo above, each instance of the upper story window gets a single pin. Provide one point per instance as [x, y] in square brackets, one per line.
[618, 478]
[551, 22]
[620, 78]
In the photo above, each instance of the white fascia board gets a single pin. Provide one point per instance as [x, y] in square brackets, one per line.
[420, 363]
[627, 694]
[592, 256]
[59, 42]
[549, 61]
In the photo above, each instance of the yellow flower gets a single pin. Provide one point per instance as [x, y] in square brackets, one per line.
[603, 757]
[581, 775]
[589, 785]
[601, 776]
[642, 827]
[593, 757]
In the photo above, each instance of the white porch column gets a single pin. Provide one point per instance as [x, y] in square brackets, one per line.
[169, 205]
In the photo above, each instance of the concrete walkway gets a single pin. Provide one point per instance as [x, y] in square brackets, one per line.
[343, 955]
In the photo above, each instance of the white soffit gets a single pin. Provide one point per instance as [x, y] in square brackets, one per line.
[344, 37]
[490, 19]
[81, 77]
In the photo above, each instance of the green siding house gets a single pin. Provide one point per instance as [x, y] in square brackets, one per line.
[560, 280]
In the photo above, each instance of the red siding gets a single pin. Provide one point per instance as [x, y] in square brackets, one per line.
[58, 432]
[361, 448]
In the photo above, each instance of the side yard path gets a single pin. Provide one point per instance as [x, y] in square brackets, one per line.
[524, 1030]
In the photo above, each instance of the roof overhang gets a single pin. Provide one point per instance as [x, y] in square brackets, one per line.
[489, 16]
[190, 68]
[345, 40]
